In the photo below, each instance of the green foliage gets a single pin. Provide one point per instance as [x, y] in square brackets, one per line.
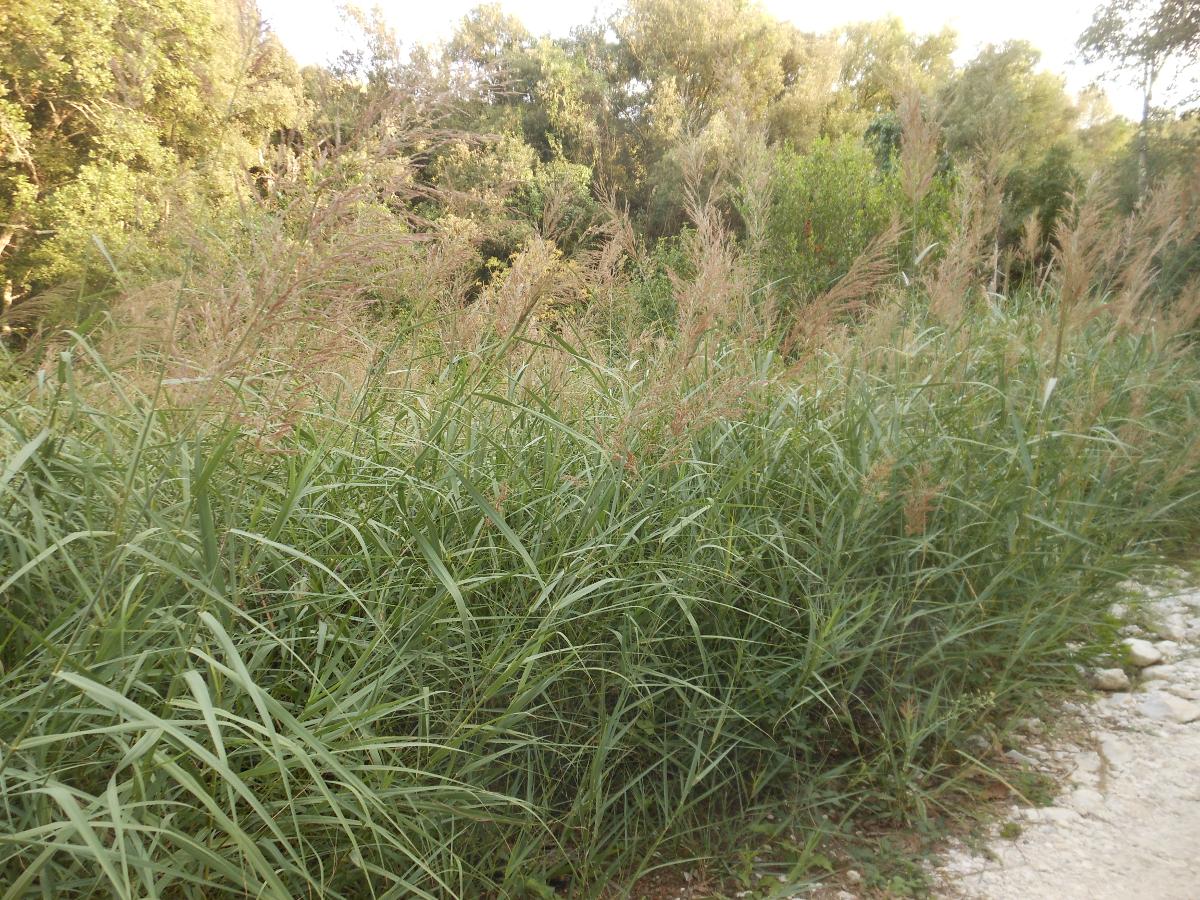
[490, 498]
[1003, 109]
[828, 204]
[1010, 831]
[881, 61]
[1002, 103]
[558, 198]
[1143, 39]
[101, 107]
[652, 287]
[134, 108]
[1044, 190]
[721, 55]
[510, 194]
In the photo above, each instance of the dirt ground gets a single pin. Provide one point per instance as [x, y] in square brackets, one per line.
[1127, 824]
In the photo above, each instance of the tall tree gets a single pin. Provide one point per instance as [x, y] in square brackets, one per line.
[882, 61]
[1002, 108]
[812, 65]
[102, 104]
[709, 56]
[1143, 40]
[1002, 103]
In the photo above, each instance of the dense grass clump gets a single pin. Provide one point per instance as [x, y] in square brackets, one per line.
[521, 467]
[526, 618]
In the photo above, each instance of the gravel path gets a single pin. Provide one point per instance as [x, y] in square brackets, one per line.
[1127, 823]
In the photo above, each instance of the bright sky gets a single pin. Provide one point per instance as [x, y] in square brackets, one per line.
[310, 28]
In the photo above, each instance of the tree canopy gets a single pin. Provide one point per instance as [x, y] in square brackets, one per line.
[102, 105]
[110, 113]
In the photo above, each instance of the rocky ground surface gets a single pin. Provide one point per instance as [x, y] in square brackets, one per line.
[1127, 823]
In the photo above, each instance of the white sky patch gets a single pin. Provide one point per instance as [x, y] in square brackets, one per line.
[310, 29]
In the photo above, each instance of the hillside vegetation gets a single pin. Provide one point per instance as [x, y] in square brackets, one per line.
[512, 468]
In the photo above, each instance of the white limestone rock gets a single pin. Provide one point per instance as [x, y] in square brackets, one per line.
[1172, 628]
[1169, 649]
[1142, 653]
[1110, 680]
[1087, 801]
[1115, 751]
[1159, 673]
[1163, 707]
[1058, 815]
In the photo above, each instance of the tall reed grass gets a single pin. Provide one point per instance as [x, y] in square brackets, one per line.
[499, 608]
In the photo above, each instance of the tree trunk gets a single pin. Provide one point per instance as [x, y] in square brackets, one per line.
[1143, 152]
[5, 328]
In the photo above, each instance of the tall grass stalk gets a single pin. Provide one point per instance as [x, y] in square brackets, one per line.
[302, 599]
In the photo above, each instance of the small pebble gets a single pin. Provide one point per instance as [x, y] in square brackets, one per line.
[1021, 759]
[1172, 628]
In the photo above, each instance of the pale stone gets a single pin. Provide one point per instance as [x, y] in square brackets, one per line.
[1171, 628]
[1169, 649]
[1087, 801]
[1113, 750]
[1087, 767]
[1187, 693]
[1159, 673]
[1110, 679]
[1162, 707]
[1115, 702]
[1058, 815]
[1142, 653]
[1021, 759]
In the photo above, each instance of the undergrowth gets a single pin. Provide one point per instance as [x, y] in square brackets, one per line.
[448, 639]
[486, 600]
